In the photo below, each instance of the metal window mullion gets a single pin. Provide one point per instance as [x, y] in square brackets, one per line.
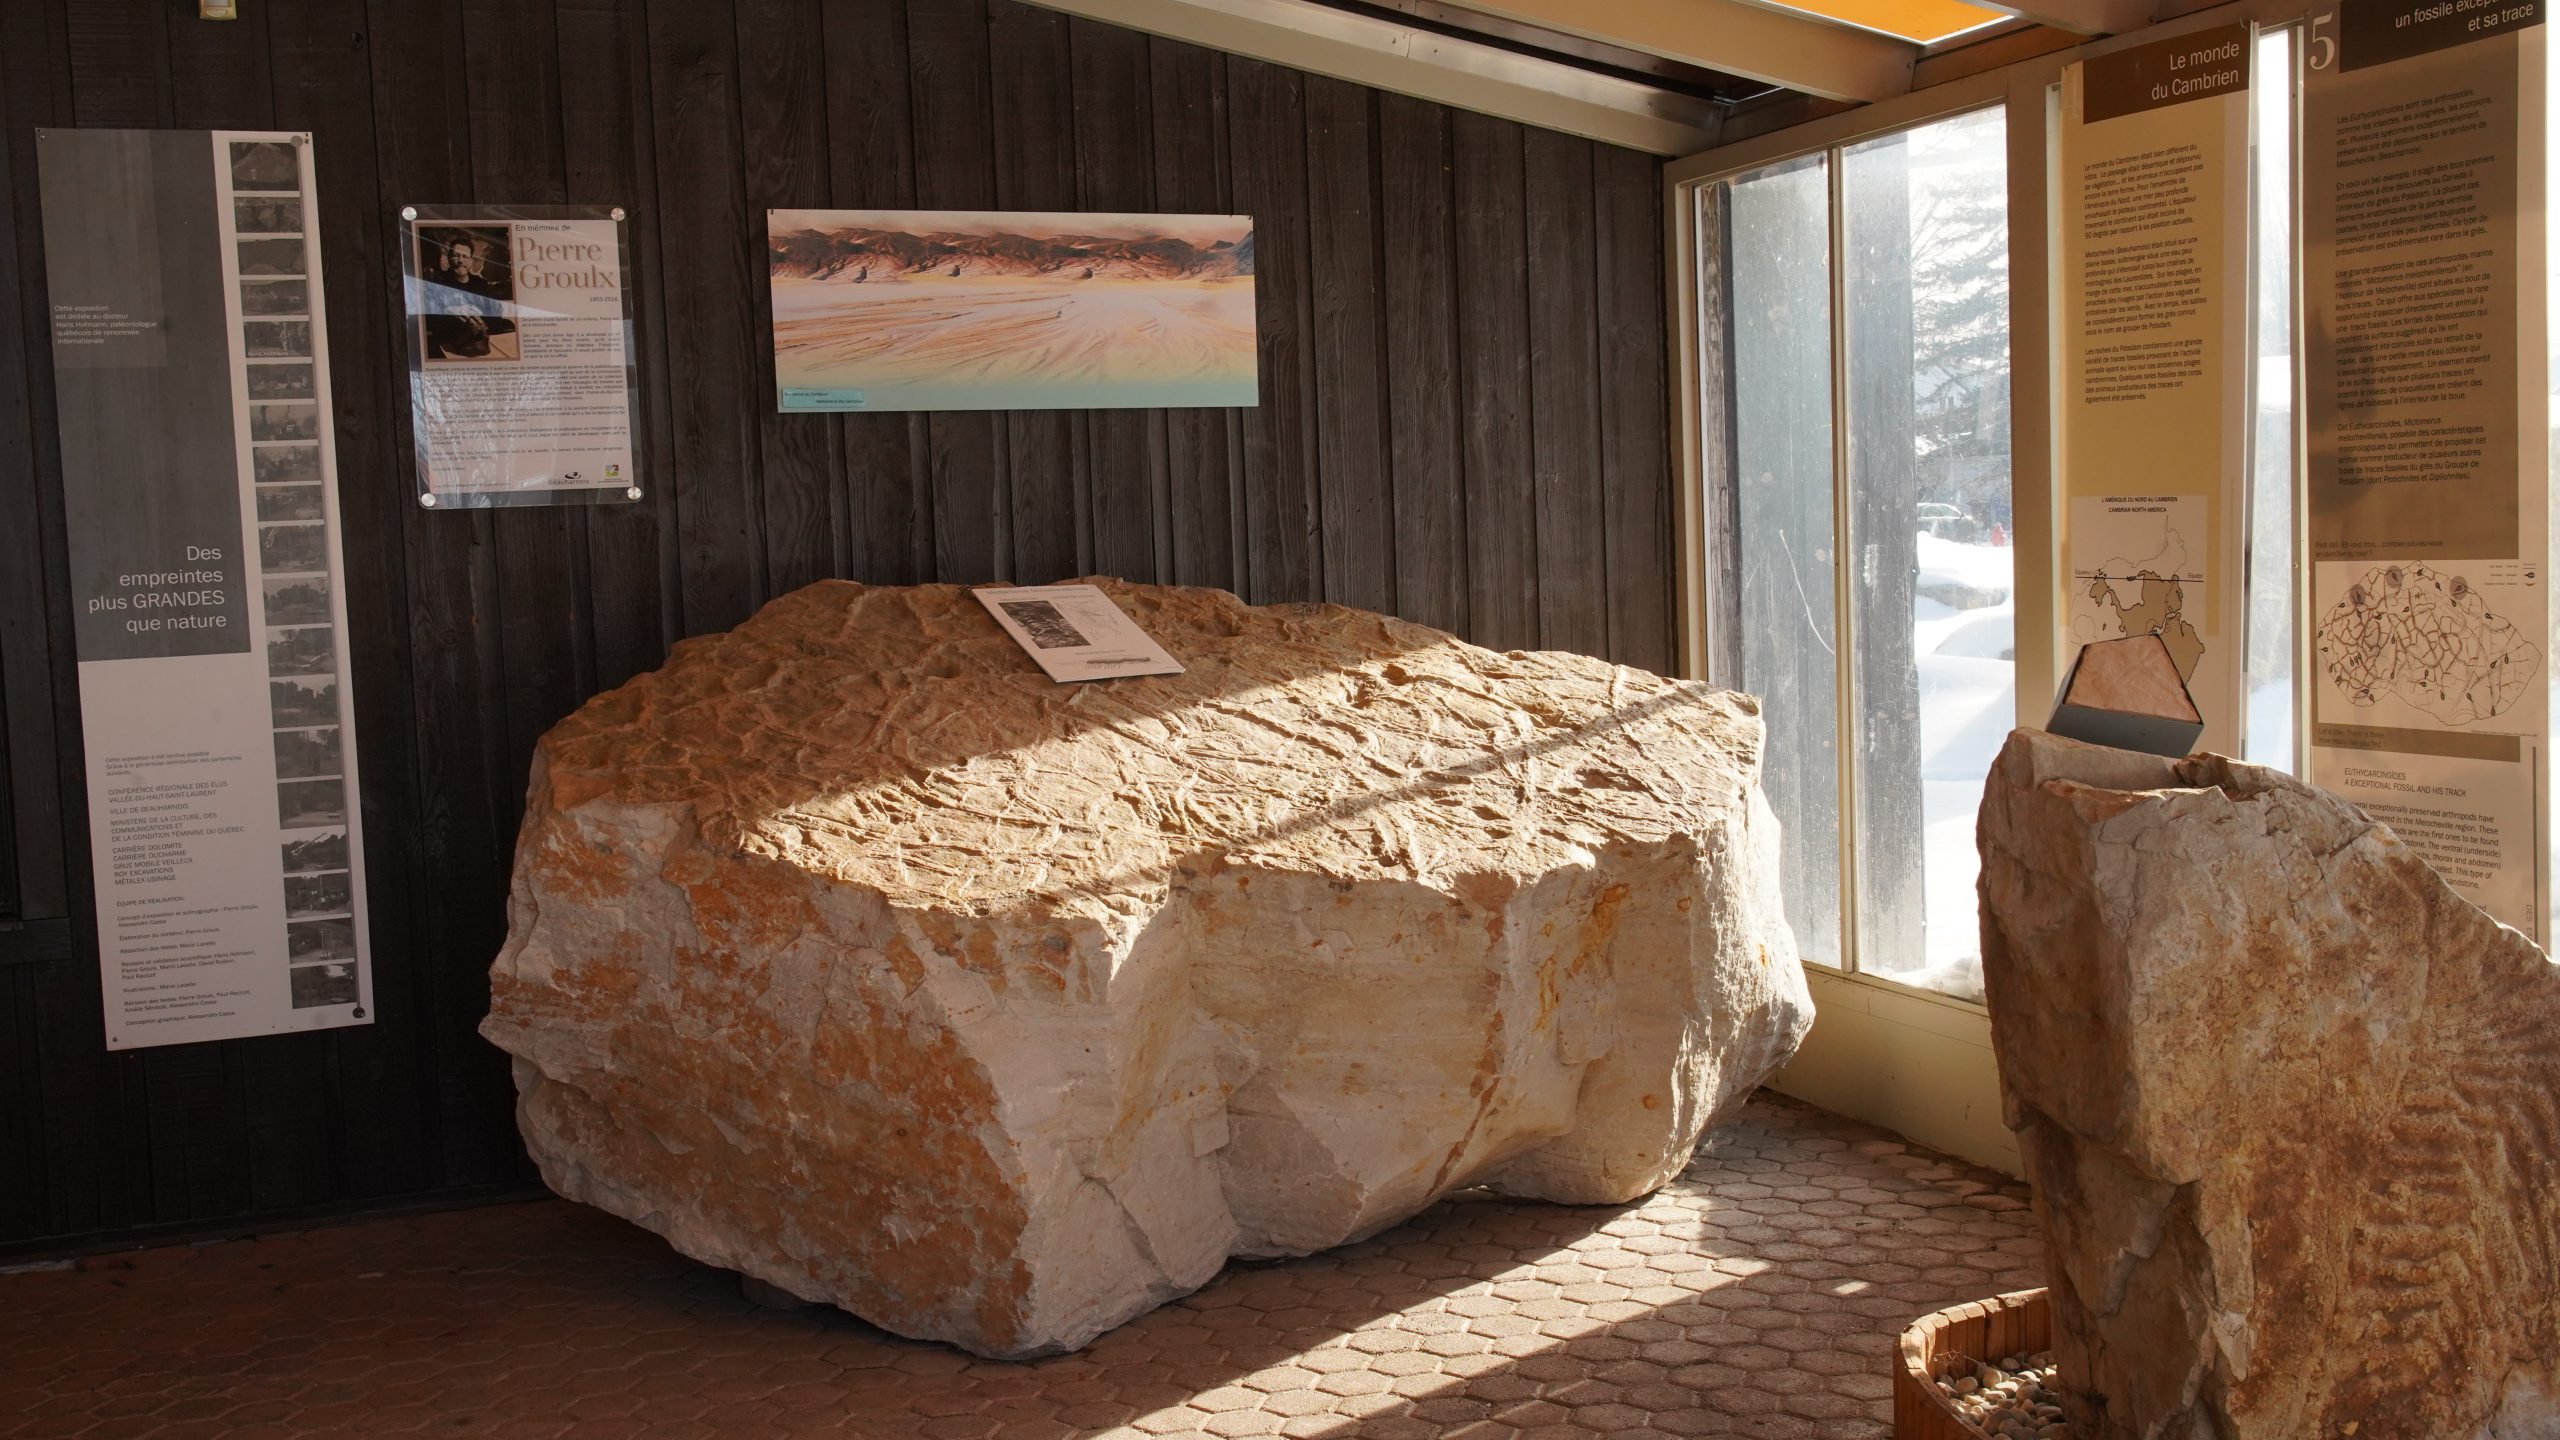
[2296, 474]
[1843, 559]
[2297, 51]
[2253, 346]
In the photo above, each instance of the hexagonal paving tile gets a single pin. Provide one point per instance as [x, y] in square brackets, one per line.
[1757, 1295]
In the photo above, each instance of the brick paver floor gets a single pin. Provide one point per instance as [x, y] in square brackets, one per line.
[1757, 1296]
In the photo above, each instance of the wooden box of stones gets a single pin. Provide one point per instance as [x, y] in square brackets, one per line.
[1976, 1370]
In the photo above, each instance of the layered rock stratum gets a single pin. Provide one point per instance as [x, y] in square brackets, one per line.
[849, 952]
[856, 253]
[2290, 1105]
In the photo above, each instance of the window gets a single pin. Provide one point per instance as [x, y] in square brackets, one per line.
[1864, 306]
[1780, 346]
[2267, 738]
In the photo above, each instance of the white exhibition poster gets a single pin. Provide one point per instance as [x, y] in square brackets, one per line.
[1075, 632]
[2152, 408]
[2425, 408]
[521, 380]
[200, 488]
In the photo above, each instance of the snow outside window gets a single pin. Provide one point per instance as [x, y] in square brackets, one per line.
[1781, 348]
[1874, 591]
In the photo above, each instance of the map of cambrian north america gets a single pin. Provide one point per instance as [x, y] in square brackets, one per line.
[2142, 597]
[2408, 633]
[2157, 606]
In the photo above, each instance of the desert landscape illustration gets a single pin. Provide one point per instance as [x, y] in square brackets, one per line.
[907, 310]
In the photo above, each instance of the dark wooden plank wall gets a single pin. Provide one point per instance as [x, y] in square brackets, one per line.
[1462, 421]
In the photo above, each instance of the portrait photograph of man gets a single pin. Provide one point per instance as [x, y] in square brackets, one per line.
[464, 293]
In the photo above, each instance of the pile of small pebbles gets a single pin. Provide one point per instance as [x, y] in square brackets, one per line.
[2011, 1398]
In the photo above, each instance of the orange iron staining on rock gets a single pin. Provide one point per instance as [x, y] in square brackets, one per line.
[849, 952]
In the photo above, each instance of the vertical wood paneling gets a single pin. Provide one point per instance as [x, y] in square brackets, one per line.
[1635, 460]
[511, 50]
[193, 1169]
[1349, 380]
[93, 1176]
[1034, 135]
[164, 1094]
[611, 155]
[1425, 457]
[197, 1168]
[713, 330]
[31, 86]
[872, 151]
[955, 170]
[197, 1171]
[22, 1185]
[1187, 105]
[783, 127]
[1493, 384]
[1125, 495]
[1564, 409]
[119, 52]
[232, 1126]
[221, 76]
[1267, 145]
[1461, 421]
[456, 678]
[88, 1174]
[11, 908]
[376, 1138]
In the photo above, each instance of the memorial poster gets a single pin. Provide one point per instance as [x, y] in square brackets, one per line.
[2425, 402]
[2152, 411]
[523, 377]
[200, 495]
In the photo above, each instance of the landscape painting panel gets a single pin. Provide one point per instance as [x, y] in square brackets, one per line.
[1010, 310]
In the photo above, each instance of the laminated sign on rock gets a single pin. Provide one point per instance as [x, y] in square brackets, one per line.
[850, 952]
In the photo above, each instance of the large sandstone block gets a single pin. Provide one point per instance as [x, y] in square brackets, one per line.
[849, 952]
[2290, 1105]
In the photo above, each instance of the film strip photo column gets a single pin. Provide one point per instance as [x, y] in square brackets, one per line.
[281, 352]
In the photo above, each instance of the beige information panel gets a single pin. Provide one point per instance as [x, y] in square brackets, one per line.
[2427, 509]
[2152, 256]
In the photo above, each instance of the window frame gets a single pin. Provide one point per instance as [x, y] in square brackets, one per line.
[1706, 498]
[1719, 498]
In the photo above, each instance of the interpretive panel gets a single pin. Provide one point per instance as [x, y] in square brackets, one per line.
[523, 379]
[1075, 632]
[2423, 299]
[2153, 409]
[199, 476]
